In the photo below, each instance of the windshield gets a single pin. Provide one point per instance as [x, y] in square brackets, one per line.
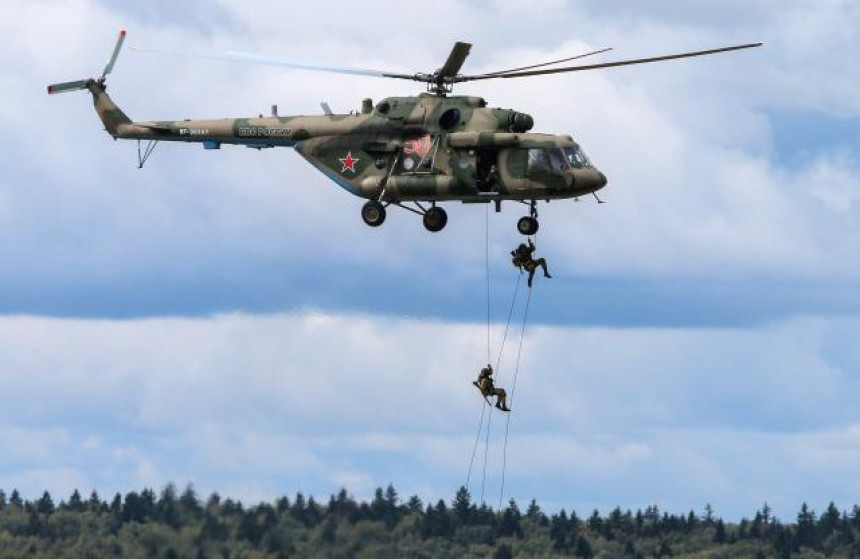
[577, 157]
[558, 160]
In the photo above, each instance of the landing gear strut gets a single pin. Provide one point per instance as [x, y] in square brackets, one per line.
[373, 213]
[528, 225]
[434, 217]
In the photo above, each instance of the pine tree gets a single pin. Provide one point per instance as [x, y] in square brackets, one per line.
[147, 503]
[166, 508]
[391, 497]
[720, 533]
[45, 505]
[756, 525]
[829, 521]
[805, 536]
[2, 500]
[282, 505]
[132, 508]
[298, 508]
[94, 503]
[189, 503]
[709, 515]
[414, 504]
[15, 500]
[595, 522]
[313, 514]
[558, 531]
[377, 505]
[75, 502]
[509, 526]
[443, 520]
[462, 506]
[692, 522]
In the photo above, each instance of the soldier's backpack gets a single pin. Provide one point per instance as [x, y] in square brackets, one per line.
[516, 259]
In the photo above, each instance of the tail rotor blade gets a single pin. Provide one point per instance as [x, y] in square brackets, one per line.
[115, 54]
[65, 87]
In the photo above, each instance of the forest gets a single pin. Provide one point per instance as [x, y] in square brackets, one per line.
[174, 524]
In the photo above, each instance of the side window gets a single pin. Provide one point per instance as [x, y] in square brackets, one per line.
[516, 162]
[538, 161]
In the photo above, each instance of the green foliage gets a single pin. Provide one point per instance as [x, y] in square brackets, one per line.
[169, 524]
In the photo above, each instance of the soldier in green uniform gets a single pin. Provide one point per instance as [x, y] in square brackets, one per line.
[522, 258]
[487, 388]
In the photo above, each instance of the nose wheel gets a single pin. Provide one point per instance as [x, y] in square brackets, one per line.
[528, 225]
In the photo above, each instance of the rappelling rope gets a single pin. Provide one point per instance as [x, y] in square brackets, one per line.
[487, 266]
[486, 451]
[513, 391]
[475, 448]
[483, 409]
[498, 363]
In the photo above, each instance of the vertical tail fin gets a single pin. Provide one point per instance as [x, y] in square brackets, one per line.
[109, 113]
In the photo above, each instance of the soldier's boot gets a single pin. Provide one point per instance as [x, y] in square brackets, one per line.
[531, 277]
[546, 273]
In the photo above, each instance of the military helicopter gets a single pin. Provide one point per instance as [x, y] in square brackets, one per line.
[407, 152]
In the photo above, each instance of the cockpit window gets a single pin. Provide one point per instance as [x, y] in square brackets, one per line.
[538, 161]
[558, 160]
[577, 157]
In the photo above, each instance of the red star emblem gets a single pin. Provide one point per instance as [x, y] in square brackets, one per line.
[348, 162]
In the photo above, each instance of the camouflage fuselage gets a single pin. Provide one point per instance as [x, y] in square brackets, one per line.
[428, 147]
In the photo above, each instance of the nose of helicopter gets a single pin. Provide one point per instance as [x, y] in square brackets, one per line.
[590, 179]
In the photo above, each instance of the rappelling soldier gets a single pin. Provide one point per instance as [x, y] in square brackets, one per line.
[522, 259]
[487, 388]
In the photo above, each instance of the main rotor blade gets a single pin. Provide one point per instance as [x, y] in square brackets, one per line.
[608, 64]
[549, 63]
[455, 60]
[65, 87]
[235, 56]
[109, 66]
[249, 57]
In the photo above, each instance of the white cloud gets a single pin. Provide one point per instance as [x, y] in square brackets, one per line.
[313, 401]
[686, 145]
[253, 406]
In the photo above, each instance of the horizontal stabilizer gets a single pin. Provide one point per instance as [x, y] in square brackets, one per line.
[67, 86]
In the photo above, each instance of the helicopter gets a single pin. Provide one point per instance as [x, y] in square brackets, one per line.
[408, 152]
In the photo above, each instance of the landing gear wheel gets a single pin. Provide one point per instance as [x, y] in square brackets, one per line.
[373, 213]
[435, 219]
[528, 226]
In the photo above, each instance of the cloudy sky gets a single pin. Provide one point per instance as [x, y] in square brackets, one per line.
[225, 318]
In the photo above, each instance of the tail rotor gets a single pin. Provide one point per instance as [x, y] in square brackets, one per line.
[78, 85]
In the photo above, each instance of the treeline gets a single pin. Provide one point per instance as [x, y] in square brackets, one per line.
[172, 525]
